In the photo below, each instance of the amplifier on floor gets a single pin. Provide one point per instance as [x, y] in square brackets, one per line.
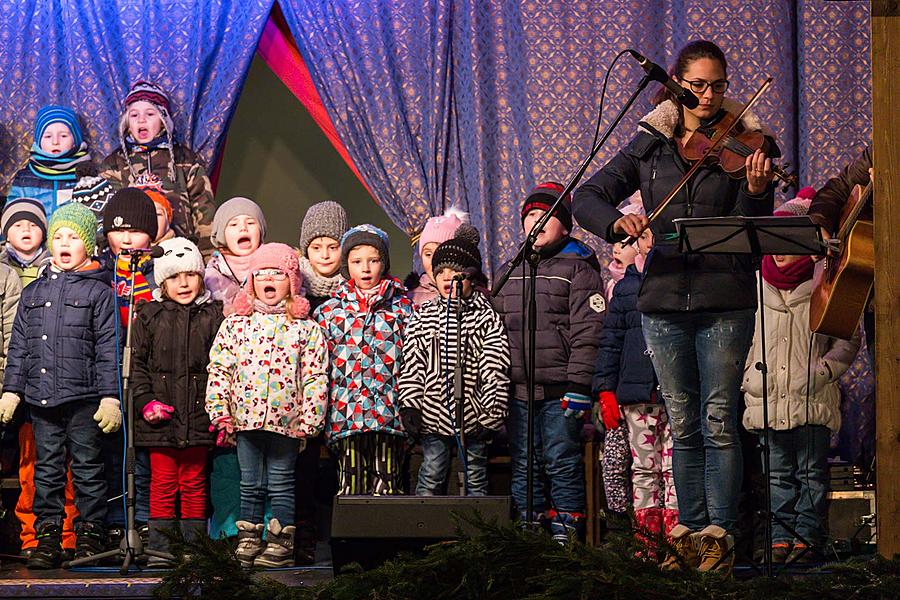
[372, 529]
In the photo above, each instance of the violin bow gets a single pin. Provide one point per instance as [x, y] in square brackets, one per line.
[696, 166]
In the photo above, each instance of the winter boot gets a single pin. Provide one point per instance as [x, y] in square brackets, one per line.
[566, 526]
[193, 530]
[537, 522]
[670, 520]
[714, 545]
[648, 523]
[305, 545]
[158, 540]
[48, 553]
[279, 550]
[683, 553]
[249, 542]
[90, 539]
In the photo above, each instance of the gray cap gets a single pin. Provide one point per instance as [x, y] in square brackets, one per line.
[325, 219]
[229, 210]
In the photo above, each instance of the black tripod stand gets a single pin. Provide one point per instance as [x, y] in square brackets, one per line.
[756, 237]
[131, 547]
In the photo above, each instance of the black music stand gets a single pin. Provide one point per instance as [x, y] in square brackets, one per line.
[755, 237]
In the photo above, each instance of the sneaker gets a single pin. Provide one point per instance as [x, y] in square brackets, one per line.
[279, 550]
[48, 553]
[800, 555]
[249, 542]
[684, 550]
[565, 527]
[90, 539]
[780, 552]
[714, 546]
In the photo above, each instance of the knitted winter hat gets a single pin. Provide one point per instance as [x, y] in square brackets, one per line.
[130, 208]
[57, 114]
[458, 253]
[441, 228]
[78, 218]
[543, 196]
[94, 192]
[799, 206]
[366, 235]
[229, 210]
[324, 219]
[274, 256]
[150, 184]
[149, 92]
[180, 255]
[23, 209]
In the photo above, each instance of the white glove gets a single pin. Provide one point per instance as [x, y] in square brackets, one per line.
[8, 404]
[109, 415]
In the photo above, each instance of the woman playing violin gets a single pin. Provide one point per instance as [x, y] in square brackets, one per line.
[697, 310]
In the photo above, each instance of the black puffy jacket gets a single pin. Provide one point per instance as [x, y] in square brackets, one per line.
[64, 341]
[171, 352]
[674, 282]
[570, 310]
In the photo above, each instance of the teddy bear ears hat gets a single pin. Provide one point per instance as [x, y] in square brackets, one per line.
[180, 255]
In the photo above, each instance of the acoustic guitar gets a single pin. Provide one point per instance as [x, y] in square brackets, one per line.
[843, 280]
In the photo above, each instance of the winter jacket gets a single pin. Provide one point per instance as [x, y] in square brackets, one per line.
[220, 280]
[52, 193]
[427, 372]
[623, 365]
[365, 337]
[787, 353]
[190, 195]
[269, 374]
[171, 345]
[570, 309]
[825, 209]
[675, 282]
[63, 346]
[10, 292]
[26, 272]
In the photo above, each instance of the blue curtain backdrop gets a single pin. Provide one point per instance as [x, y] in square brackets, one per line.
[467, 102]
[87, 53]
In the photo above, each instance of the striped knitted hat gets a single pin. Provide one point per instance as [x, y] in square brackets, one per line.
[23, 209]
[79, 219]
[366, 235]
[149, 92]
[543, 196]
[57, 114]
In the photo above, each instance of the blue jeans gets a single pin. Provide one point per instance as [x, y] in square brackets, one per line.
[699, 361]
[438, 453]
[267, 473]
[799, 484]
[69, 428]
[557, 453]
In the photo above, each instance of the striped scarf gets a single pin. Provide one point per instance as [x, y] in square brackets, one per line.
[142, 290]
[57, 167]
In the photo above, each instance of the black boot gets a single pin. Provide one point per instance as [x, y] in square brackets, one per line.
[159, 540]
[90, 539]
[48, 553]
[193, 530]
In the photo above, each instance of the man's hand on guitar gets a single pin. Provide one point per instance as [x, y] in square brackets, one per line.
[632, 225]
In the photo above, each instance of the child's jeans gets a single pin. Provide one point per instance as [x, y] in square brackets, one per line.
[438, 452]
[69, 428]
[650, 442]
[370, 463]
[267, 463]
[557, 452]
[181, 473]
[799, 482]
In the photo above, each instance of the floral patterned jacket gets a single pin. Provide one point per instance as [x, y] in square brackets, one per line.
[269, 373]
[365, 341]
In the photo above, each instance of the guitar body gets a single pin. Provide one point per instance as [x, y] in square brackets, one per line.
[842, 282]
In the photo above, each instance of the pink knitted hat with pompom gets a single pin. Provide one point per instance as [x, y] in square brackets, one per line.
[274, 256]
[442, 228]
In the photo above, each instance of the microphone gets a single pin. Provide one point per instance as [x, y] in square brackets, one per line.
[468, 273]
[657, 73]
[154, 252]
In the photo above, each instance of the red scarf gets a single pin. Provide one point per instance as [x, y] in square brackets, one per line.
[789, 276]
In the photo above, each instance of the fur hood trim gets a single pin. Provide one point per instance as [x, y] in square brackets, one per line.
[663, 119]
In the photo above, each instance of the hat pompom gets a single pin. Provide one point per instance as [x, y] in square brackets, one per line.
[299, 307]
[468, 233]
[807, 193]
[242, 304]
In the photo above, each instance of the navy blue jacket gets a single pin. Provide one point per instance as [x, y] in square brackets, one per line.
[63, 345]
[623, 365]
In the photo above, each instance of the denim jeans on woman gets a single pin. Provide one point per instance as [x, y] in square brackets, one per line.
[699, 361]
[437, 455]
[267, 463]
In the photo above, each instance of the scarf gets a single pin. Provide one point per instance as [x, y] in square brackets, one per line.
[57, 167]
[142, 290]
[789, 276]
[159, 142]
[238, 266]
[261, 307]
[316, 285]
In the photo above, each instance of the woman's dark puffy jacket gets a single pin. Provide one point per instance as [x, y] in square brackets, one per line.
[171, 351]
[675, 282]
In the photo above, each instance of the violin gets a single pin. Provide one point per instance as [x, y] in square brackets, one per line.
[731, 152]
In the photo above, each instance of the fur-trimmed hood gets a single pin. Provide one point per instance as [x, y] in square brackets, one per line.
[663, 119]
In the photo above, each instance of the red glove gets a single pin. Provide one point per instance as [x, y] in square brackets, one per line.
[609, 410]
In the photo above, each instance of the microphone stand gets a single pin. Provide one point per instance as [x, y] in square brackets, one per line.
[458, 391]
[529, 254]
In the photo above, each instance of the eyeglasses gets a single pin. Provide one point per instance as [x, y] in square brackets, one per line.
[270, 275]
[698, 86]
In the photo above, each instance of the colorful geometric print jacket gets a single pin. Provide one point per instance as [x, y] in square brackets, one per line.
[365, 341]
[269, 373]
[190, 195]
[427, 369]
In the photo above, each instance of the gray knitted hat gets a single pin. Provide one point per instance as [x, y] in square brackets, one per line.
[325, 219]
[230, 209]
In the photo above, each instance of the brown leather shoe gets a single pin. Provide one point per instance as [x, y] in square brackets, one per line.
[714, 544]
[685, 554]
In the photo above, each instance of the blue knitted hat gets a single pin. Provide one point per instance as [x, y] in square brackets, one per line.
[57, 114]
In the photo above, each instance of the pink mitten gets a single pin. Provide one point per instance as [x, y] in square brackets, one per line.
[225, 427]
[156, 411]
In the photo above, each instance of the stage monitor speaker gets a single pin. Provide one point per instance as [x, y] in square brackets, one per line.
[372, 529]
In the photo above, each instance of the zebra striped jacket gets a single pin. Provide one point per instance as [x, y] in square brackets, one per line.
[427, 373]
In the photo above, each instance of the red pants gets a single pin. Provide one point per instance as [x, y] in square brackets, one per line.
[24, 507]
[178, 472]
